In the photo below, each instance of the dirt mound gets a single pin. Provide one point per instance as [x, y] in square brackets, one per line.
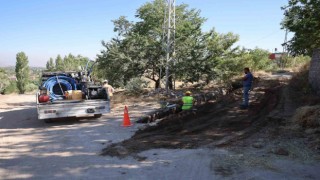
[308, 116]
[209, 123]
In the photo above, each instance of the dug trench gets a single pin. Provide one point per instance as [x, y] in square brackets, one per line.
[214, 123]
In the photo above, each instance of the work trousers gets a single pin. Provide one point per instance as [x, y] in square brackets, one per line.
[246, 90]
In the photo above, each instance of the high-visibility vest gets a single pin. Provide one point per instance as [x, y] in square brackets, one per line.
[187, 102]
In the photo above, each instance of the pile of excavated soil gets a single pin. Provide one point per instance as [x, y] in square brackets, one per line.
[210, 123]
[308, 116]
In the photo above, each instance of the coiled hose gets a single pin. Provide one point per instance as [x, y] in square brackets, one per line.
[66, 83]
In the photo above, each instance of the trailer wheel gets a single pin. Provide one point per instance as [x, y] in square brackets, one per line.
[97, 115]
[48, 120]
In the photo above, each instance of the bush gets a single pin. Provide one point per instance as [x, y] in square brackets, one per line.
[297, 61]
[136, 85]
[31, 87]
[4, 80]
[4, 85]
[258, 59]
[12, 88]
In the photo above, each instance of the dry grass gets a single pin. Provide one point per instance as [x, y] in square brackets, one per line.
[308, 116]
[261, 74]
[300, 81]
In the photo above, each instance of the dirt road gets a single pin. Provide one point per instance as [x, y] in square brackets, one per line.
[32, 149]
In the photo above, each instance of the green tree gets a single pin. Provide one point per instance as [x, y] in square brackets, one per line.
[69, 62]
[79, 62]
[48, 65]
[51, 65]
[302, 18]
[22, 72]
[210, 50]
[59, 63]
[138, 48]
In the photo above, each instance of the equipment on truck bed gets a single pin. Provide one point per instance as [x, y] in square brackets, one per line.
[57, 83]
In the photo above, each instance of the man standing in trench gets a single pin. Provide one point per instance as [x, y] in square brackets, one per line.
[247, 83]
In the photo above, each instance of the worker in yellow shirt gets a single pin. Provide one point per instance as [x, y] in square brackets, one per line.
[187, 101]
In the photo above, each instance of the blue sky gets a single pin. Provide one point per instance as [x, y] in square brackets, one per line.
[45, 28]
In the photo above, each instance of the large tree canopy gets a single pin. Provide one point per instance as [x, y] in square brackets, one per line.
[138, 50]
[303, 18]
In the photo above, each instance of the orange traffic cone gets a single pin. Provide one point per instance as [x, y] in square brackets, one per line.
[126, 118]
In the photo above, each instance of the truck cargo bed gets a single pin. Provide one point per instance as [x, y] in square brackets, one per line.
[72, 108]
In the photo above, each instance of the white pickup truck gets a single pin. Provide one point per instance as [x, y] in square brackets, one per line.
[95, 101]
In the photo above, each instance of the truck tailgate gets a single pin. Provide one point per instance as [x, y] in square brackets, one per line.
[73, 109]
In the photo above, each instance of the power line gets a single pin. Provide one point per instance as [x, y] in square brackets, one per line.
[264, 37]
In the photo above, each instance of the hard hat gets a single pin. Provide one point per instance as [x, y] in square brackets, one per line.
[188, 92]
[105, 81]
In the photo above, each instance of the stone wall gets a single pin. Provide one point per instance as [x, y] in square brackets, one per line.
[314, 72]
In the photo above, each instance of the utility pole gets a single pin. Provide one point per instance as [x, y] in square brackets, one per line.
[169, 36]
[284, 45]
[284, 50]
[285, 41]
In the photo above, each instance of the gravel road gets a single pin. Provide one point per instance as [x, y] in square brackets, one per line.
[69, 149]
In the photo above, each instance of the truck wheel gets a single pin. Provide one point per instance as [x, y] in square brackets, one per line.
[48, 120]
[97, 115]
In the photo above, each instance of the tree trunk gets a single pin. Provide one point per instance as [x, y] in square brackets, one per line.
[170, 85]
[157, 83]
